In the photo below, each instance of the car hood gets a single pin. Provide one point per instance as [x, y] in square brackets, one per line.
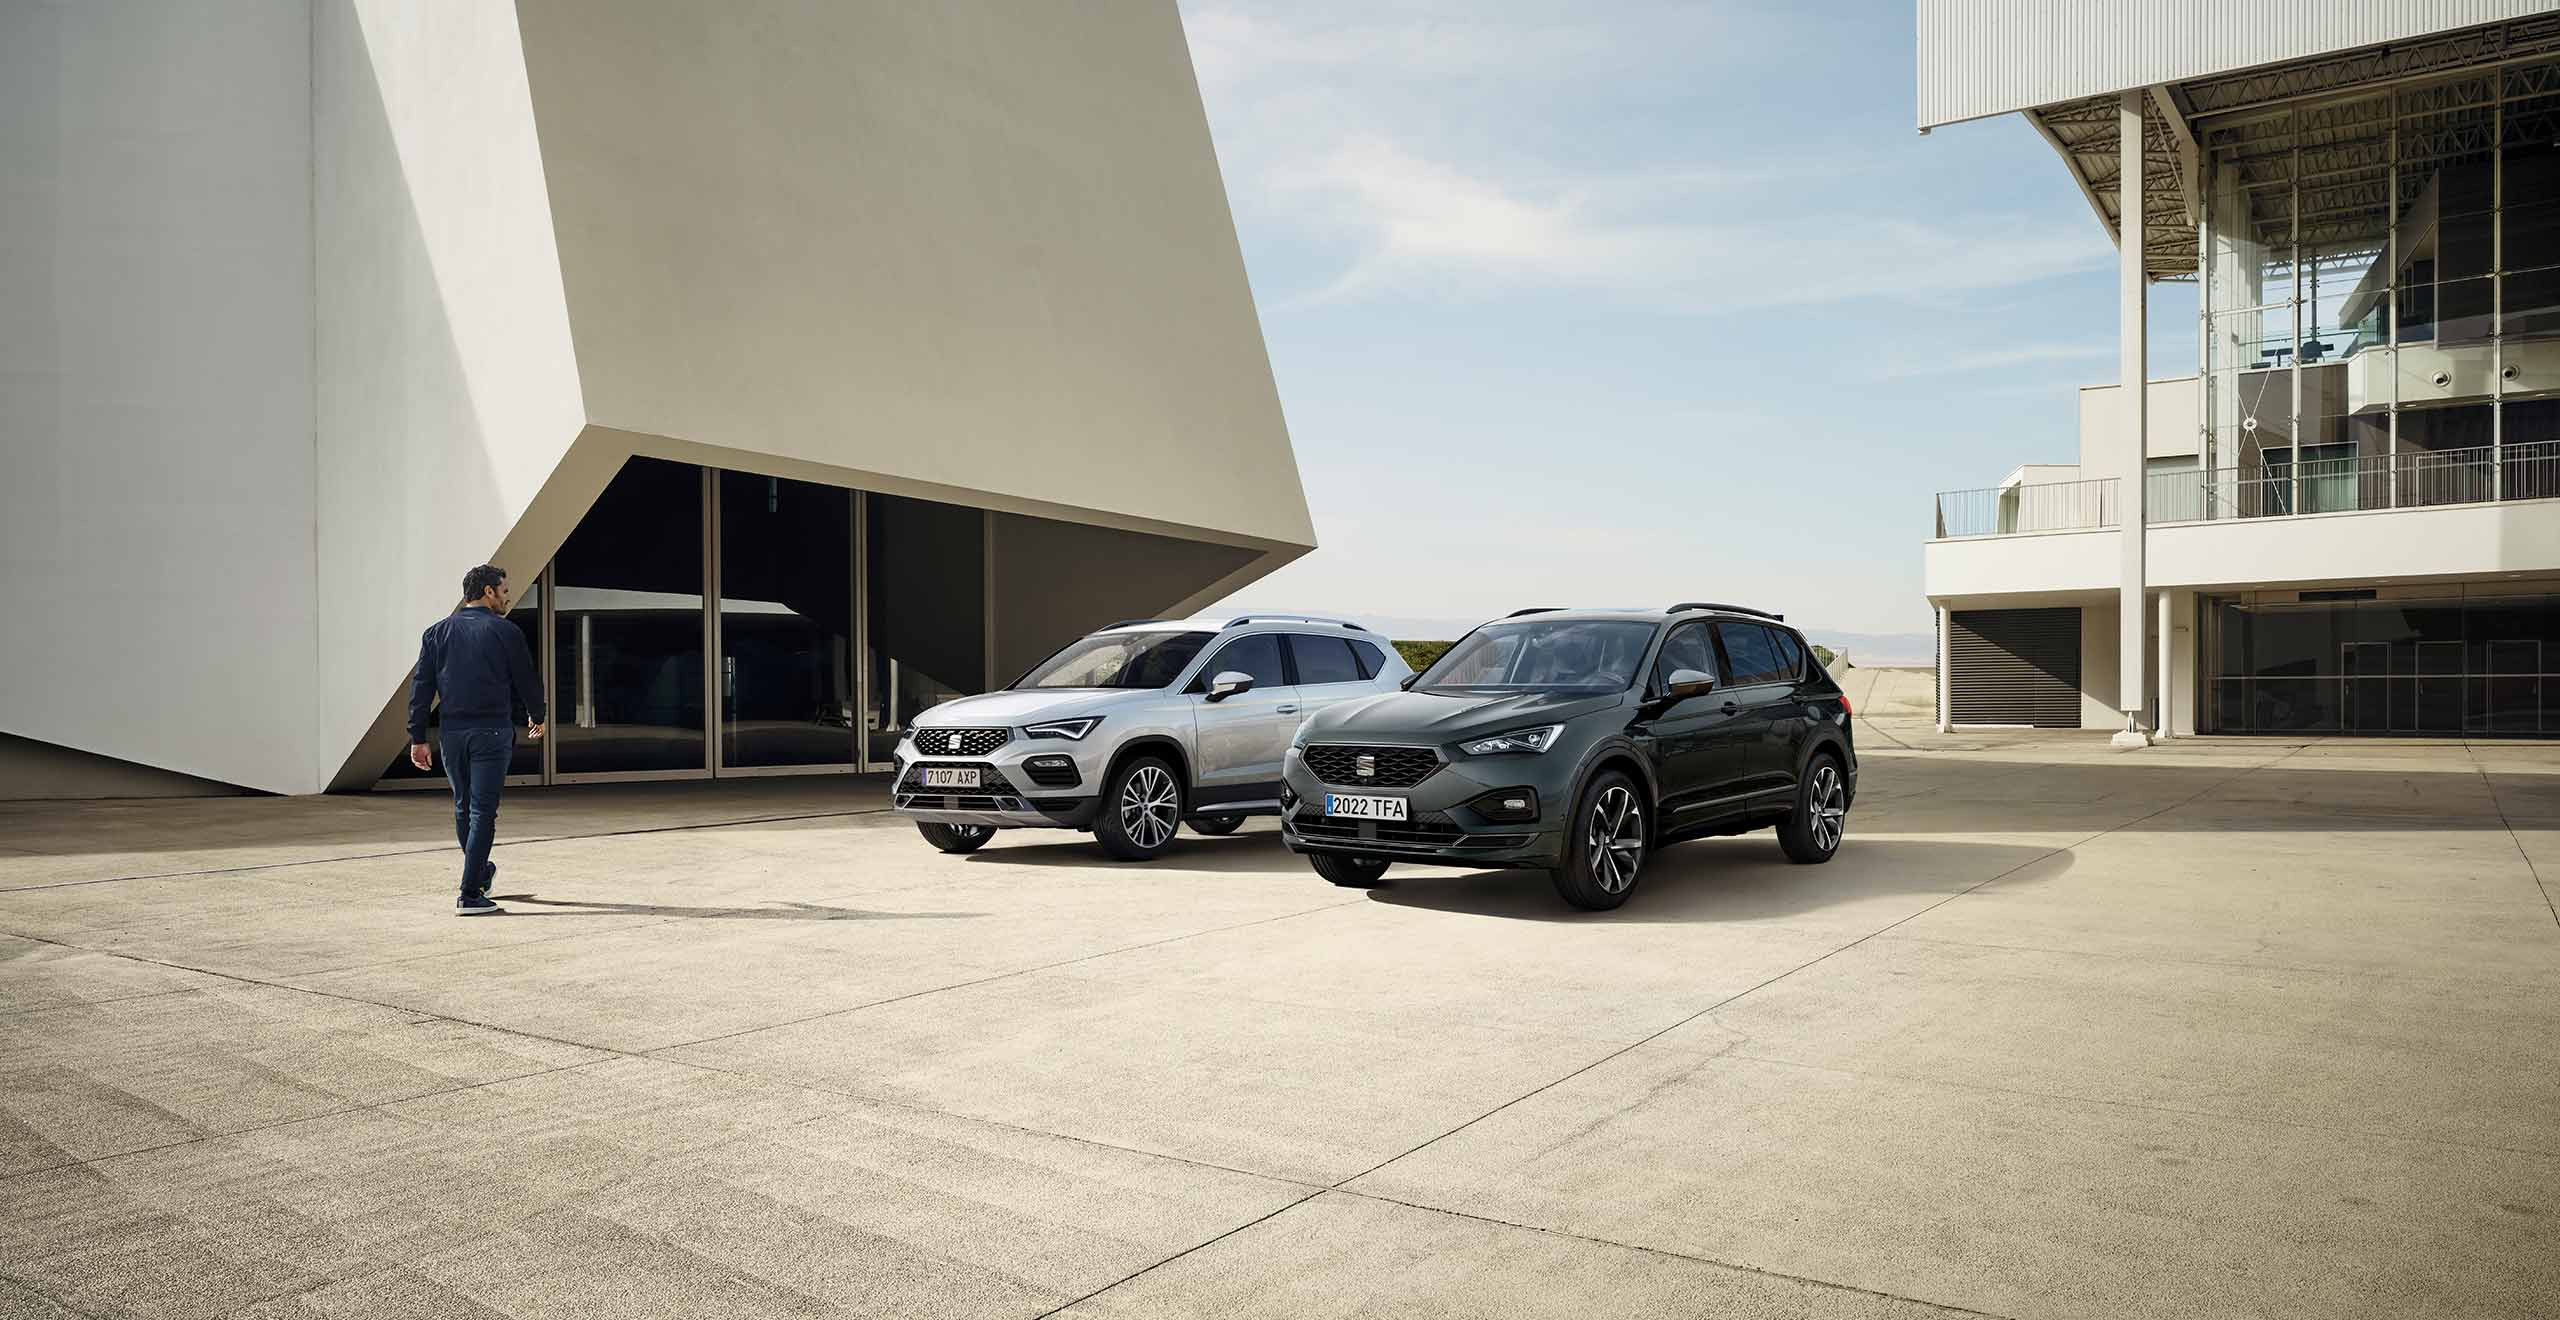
[1448, 717]
[1015, 707]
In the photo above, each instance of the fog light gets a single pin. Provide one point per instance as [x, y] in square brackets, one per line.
[1508, 805]
[1052, 771]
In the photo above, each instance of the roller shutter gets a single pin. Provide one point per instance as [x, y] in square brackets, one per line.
[2014, 667]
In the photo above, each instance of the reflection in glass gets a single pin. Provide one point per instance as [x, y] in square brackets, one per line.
[927, 577]
[786, 622]
[2433, 666]
[628, 660]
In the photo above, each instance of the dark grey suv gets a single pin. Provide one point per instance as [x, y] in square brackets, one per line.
[1577, 742]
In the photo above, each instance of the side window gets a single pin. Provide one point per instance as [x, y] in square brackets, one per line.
[1258, 655]
[1749, 649]
[1790, 654]
[1323, 659]
[1371, 659]
[1686, 648]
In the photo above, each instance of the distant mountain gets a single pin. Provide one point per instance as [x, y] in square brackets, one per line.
[1887, 650]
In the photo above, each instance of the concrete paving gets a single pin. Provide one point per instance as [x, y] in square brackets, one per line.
[2223, 1027]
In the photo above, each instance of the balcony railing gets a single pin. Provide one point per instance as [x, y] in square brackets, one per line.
[2421, 479]
[2418, 479]
[2058, 506]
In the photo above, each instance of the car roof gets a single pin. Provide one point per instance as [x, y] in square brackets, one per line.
[1738, 613]
[1244, 623]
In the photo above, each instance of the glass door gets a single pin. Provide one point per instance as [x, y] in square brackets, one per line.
[785, 633]
[630, 691]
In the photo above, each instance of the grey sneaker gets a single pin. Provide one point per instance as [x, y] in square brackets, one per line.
[476, 905]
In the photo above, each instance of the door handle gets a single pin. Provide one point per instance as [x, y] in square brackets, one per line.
[1731, 709]
[1290, 709]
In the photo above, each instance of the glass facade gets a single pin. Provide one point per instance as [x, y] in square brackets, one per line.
[2452, 665]
[629, 654]
[705, 622]
[2380, 319]
[786, 634]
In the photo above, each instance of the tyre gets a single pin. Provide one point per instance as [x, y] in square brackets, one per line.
[1605, 844]
[1349, 872]
[1141, 808]
[955, 838]
[1811, 832]
[1215, 824]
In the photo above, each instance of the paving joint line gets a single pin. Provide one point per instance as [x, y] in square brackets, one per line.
[1197, 1246]
[253, 1130]
[1909, 917]
[2031, 1093]
[442, 848]
[1666, 1251]
[1001, 976]
[2494, 801]
[2298, 969]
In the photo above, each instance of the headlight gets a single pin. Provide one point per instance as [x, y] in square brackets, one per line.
[1068, 729]
[1520, 740]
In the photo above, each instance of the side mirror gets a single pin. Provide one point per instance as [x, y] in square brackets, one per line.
[1686, 683]
[1230, 683]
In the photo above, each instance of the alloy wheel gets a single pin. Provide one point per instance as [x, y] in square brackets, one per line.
[1828, 807]
[1149, 806]
[1616, 839]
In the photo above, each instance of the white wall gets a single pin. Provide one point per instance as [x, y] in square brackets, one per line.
[155, 384]
[975, 243]
[447, 385]
[2169, 418]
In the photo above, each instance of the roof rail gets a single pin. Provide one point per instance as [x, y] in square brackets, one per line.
[1242, 619]
[1126, 623]
[1729, 609]
[1534, 609]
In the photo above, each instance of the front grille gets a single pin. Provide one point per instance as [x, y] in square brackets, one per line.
[1338, 764]
[972, 742]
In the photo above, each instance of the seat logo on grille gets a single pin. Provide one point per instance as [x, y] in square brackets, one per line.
[954, 744]
[1364, 765]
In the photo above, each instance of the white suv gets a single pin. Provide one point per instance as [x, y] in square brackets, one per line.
[1134, 730]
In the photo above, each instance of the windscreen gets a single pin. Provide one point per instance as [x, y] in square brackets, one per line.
[1119, 660]
[1558, 655]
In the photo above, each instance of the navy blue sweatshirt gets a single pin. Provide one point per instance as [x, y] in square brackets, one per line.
[480, 664]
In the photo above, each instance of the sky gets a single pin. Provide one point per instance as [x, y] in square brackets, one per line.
[1600, 303]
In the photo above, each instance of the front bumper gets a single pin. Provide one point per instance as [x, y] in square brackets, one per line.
[1441, 828]
[1010, 796]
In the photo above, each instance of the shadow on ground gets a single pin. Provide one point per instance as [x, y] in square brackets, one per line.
[563, 907]
[1744, 878]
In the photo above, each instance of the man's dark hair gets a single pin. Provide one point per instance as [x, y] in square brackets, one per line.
[477, 582]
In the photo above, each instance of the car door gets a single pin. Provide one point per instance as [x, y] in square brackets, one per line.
[1762, 692]
[1326, 672]
[1238, 741]
[1699, 762]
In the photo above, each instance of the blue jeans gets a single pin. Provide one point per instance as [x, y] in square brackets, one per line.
[475, 763]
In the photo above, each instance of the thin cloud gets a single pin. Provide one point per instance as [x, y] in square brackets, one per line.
[1994, 358]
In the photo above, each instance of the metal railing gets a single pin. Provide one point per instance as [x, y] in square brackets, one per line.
[2057, 506]
[2415, 479]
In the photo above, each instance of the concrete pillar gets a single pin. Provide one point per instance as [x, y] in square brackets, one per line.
[2132, 330]
[2164, 709]
[1946, 712]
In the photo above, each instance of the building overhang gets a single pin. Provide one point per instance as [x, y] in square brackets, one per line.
[2214, 79]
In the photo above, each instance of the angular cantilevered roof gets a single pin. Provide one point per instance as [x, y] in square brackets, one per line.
[2207, 68]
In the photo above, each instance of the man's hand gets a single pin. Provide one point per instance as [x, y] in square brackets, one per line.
[533, 732]
[420, 757]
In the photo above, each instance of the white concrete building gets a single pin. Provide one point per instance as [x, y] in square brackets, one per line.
[2344, 514]
[806, 362]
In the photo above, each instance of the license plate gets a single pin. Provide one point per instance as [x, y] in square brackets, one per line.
[951, 776]
[1364, 808]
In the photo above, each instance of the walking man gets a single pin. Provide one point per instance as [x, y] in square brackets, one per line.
[478, 662]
